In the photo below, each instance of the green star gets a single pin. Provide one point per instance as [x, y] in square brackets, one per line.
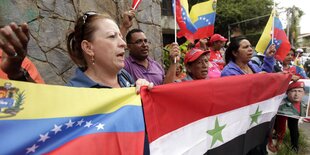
[255, 116]
[216, 133]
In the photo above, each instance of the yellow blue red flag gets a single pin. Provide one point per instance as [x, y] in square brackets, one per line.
[280, 39]
[187, 28]
[203, 16]
[46, 119]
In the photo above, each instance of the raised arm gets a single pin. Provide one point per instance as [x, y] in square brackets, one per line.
[14, 43]
[174, 55]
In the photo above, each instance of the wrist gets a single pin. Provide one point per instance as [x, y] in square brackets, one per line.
[22, 75]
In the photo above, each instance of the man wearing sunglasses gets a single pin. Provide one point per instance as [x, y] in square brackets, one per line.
[140, 65]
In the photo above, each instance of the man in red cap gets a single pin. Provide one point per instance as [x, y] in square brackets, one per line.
[293, 107]
[196, 63]
[217, 42]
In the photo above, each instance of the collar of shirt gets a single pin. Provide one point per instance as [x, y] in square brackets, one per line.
[80, 79]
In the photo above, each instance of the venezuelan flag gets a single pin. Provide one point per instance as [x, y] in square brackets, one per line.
[203, 17]
[46, 119]
[280, 39]
[182, 16]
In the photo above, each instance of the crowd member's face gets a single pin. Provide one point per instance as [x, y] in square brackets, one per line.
[108, 45]
[289, 57]
[199, 68]
[218, 45]
[245, 51]
[139, 46]
[296, 94]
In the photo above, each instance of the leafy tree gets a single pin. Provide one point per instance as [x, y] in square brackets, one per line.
[293, 14]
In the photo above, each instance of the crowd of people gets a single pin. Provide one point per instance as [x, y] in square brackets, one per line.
[97, 47]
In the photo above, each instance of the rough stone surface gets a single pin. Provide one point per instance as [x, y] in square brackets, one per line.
[51, 20]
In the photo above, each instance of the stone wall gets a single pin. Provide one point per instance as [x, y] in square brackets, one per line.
[50, 20]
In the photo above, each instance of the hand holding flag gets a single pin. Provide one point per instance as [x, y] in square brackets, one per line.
[128, 16]
[271, 50]
[277, 37]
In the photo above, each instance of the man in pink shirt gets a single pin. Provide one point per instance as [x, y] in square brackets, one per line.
[217, 42]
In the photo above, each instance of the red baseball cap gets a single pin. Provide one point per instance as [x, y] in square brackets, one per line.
[217, 37]
[298, 84]
[193, 55]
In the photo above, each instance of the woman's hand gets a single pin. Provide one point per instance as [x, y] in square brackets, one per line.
[271, 50]
[143, 82]
[294, 78]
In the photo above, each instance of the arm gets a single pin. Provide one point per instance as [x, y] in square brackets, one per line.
[174, 55]
[269, 61]
[14, 51]
[127, 21]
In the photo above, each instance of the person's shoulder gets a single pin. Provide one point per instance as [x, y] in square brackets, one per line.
[230, 69]
[151, 60]
[124, 75]
[79, 79]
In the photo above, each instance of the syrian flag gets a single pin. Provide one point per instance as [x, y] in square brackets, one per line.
[229, 115]
[135, 4]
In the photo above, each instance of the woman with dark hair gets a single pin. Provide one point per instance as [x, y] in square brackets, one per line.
[238, 56]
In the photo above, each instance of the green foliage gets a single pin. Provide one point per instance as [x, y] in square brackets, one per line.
[166, 58]
[285, 146]
[294, 14]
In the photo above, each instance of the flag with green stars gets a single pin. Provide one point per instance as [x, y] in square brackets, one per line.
[230, 115]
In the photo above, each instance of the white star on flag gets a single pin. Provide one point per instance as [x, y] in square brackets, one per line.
[32, 148]
[57, 128]
[100, 126]
[88, 124]
[69, 124]
[80, 122]
[44, 137]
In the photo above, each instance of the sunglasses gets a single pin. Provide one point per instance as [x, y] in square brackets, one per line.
[86, 16]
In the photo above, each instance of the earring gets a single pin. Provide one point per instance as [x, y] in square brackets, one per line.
[92, 60]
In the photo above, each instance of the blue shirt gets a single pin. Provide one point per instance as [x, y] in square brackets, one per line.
[233, 69]
[80, 79]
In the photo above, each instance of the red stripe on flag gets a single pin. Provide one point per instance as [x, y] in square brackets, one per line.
[135, 4]
[105, 143]
[171, 102]
[204, 32]
[285, 46]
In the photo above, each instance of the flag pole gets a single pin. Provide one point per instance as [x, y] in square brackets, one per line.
[175, 26]
[273, 15]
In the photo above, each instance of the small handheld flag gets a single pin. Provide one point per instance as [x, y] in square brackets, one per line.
[135, 4]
